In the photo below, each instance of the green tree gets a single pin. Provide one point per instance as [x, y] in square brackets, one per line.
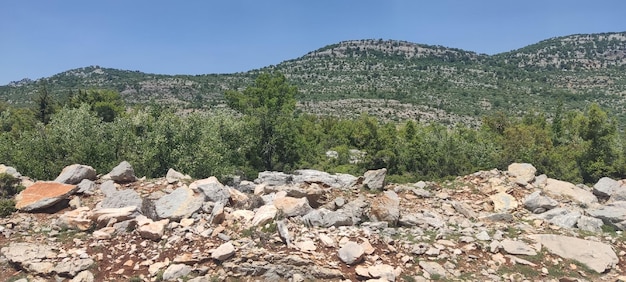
[107, 104]
[45, 105]
[599, 154]
[269, 106]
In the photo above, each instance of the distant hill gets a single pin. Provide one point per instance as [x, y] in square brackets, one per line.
[414, 80]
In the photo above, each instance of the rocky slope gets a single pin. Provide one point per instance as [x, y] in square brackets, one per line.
[310, 225]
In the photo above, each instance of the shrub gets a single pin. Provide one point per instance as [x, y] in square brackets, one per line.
[9, 185]
[7, 207]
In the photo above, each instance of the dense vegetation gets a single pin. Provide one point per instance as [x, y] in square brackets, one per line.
[264, 131]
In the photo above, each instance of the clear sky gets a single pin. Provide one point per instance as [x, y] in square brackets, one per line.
[39, 38]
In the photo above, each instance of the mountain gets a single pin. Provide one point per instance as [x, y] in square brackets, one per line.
[414, 80]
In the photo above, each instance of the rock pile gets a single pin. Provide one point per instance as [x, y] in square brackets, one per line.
[311, 225]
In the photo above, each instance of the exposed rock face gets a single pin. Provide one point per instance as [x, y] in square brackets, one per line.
[181, 203]
[595, 255]
[75, 173]
[375, 179]
[123, 173]
[42, 195]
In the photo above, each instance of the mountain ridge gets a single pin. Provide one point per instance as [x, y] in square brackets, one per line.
[575, 69]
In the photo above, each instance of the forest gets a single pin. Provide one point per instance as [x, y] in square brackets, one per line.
[262, 130]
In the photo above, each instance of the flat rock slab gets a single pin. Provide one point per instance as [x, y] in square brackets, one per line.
[24, 252]
[517, 248]
[181, 203]
[43, 194]
[569, 190]
[433, 269]
[595, 255]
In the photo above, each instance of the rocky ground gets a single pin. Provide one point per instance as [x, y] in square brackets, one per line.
[310, 225]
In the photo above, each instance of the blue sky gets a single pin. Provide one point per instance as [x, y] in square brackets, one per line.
[42, 38]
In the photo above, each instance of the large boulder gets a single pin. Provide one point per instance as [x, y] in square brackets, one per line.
[503, 202]
[264, 215]
[290, 206]
[122, 198]
[595, 255]
[606, 187]
[87, 187]
[523, 172]
[538, 203]
[75, 173]
[316, 176]
[212, 189]
[30, 255]
[78, 219]
[386, 207]
[223, 252]
[173, 176]
[106, 216]
[9, 170]
[561, 217]
[517, 248]
[351, 253]
[375, 179]
[43, 194]
[612, 214]
[152, 230]
[274, 178]
[123, 173]
[181, 203]
[568, 190]
[176, 271]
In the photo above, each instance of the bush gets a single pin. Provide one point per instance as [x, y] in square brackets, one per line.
[7, 207]
[9, 185]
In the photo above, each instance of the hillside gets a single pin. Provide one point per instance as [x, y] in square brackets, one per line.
[430, 82]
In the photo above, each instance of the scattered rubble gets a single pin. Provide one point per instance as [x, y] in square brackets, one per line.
[311, 225]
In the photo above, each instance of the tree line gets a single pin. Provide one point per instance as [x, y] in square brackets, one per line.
[263, 130]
